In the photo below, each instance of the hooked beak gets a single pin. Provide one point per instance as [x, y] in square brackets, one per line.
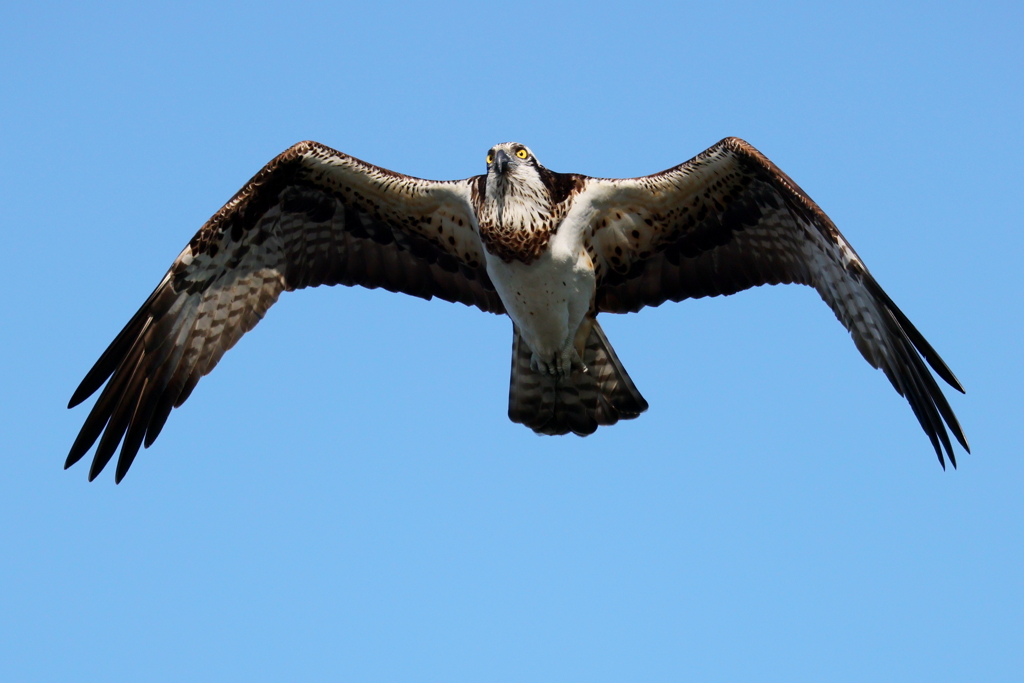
[501, 162]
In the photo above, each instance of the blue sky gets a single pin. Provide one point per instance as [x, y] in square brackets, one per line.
[344, 498]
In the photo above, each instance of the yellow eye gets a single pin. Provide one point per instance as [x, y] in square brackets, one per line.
[490, 158]
[522, 154]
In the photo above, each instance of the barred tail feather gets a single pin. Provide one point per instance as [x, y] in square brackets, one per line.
[601, 396]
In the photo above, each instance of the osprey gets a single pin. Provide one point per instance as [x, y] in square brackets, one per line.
[550, 250]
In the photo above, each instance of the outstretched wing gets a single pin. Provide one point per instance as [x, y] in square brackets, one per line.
[312, 216]
[728, 220]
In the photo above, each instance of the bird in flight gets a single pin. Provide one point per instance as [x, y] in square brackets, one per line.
[550, 250]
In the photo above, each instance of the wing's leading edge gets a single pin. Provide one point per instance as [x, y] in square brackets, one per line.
[312, 216]
[728, 220]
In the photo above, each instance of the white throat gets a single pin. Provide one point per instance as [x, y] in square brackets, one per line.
[517, 200]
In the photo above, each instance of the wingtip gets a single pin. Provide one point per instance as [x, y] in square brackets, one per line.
[124, 463]
[952, 458]
[74, 455]
[84, 390]
[77, 398]
[96, 467]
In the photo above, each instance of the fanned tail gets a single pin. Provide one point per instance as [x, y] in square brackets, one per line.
[601, 396]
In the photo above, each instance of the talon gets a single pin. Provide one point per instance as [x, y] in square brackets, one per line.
[567, 360]
[578, 362]
[561, 364]
[539, 365]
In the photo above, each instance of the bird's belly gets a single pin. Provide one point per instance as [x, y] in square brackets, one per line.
[546, 299]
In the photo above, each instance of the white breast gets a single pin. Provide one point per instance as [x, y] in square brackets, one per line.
[549, 298]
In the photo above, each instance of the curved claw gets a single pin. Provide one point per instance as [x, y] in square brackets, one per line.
[560, 364]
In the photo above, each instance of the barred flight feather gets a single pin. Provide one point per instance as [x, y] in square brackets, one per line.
[725, 221]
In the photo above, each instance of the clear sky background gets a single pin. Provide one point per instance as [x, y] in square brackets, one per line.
[344, 498]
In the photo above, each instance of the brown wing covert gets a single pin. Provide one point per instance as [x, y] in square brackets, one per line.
[729, 220]
[312, 216]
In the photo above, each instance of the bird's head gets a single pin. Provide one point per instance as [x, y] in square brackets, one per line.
[511, 165]
[515, 177]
